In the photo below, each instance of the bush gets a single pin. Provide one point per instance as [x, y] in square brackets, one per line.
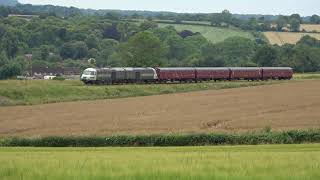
[289, 137]
[59, 78]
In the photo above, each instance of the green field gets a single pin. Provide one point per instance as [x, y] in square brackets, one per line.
[213, 34]
[14, 92]
[307, 76]
[226, 162]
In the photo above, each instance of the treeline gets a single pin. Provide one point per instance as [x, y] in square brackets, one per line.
[70, 42]
[225, 18]
[289, 137]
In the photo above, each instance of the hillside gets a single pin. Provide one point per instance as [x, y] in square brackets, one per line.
[310, 27]
[281, 38]
[8, 2]
[213, 34]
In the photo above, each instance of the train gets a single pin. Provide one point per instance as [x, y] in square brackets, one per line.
[123, 75]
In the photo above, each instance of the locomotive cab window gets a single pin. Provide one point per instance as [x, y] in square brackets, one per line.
[89, 73]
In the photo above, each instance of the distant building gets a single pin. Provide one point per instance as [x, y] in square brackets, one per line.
[28, 56]
[27, 17]
[71, 71]
[40, 72]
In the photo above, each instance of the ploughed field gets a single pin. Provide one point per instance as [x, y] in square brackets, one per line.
[291, 105]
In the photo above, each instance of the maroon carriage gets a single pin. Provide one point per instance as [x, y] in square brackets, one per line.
[212, 73]
[176, 74]
[246, 73]
[277, 73]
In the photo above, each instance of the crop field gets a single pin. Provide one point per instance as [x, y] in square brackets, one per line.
[310, 27]
[291, 105]
[236, 162]
[213, 34]
[282, 38]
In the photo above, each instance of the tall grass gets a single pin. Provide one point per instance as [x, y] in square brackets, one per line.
[39, 91]
[236, 162]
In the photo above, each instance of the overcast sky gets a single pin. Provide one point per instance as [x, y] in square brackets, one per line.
[275, 7]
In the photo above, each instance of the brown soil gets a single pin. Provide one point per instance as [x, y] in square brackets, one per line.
[294, 105]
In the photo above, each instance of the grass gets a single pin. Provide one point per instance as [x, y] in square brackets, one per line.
[304, 76]
[226, 162]
[213, 34]
[14, 92]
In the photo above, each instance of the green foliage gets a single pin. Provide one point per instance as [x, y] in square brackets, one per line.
[59, 78]
[315, 19]
[148, 25]
[286, 137]
[310, 41]
[266, 56]
[281, 22]
[235, 51]
[295, 25]
[10, 70]
[115, 39]
[144, 50]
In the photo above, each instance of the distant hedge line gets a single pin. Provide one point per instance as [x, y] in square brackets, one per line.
[289, 137]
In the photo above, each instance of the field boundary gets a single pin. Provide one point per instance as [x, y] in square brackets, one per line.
[266, 137]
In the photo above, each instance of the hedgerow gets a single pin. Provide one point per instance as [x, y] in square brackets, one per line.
[288, 137]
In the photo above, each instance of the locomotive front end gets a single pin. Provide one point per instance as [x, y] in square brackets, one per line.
[89, 76]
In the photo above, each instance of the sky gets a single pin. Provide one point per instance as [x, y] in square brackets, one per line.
[274, 7]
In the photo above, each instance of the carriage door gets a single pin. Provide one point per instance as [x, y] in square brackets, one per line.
[113, 75]
[138, 76]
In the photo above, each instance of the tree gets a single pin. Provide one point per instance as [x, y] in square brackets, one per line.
[315, 19]
[80, 50]
[111, 32]
[10, 43]
[233, 51]
[74, 50]
[306, 59]
[3, 58]
[309, 41]
[144, 50]
[297, 17]
[4, 11]
[266, 56]
[148, 25]
[226, 16]
[209, 58]
[93, 53]
[177, 47]
[92, 41]
[281, 23]
[10, 70]
[126, 30]
[295, 25]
